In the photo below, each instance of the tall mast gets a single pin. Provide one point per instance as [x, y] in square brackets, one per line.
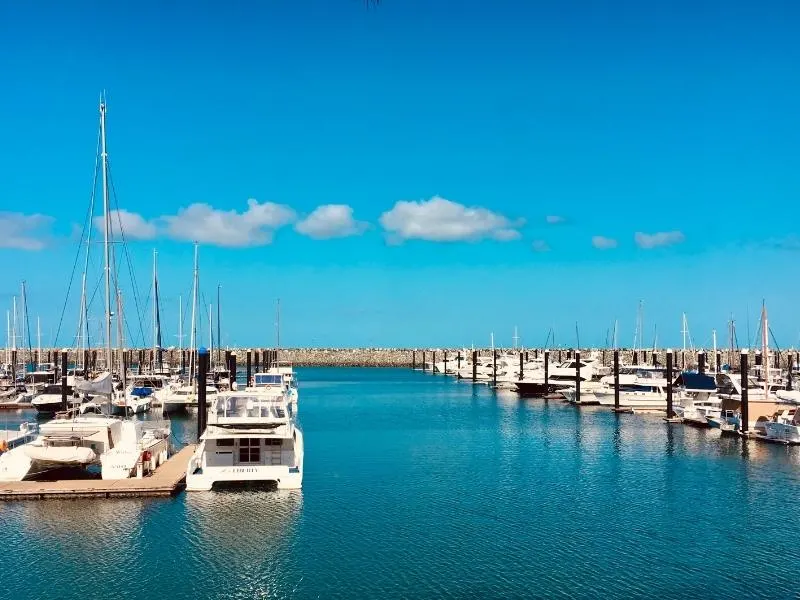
[26, 331]
[764, 349]
[180, 324]
[38, 339]
[211, 329]
[121, 342]
[192, 362]
[155, 307]
[106, 231]
[8, 336]
[219, 337]
[615, 335]
[14, 327]
[714, 341]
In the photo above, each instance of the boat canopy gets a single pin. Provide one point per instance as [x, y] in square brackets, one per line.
[699, 382]
[99, 385]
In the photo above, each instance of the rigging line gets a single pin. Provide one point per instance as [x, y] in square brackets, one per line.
[27, 320]
[86, 221]
[126, 252]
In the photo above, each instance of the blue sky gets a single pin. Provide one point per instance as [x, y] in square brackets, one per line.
[420, 173]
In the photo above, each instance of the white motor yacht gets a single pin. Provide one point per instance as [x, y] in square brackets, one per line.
[250, 437]
[784, 426]
[184, 397]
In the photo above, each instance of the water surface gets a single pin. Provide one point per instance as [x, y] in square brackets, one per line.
[421, 486]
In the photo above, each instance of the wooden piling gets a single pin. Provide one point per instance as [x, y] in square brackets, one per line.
[64, 381]
[423, 361]
[445, 362]
[616, 380]
[577, 377]
[474, 366]
[458, 361]
[433, 362]
[546, 371]
[413, 360]
[701, 362]
[202, 376]
[249, 367]
[790, 366]
[521, 365]
[745, 410]
[494, 369]
[670, 412]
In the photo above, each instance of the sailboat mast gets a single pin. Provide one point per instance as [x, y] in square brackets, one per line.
[155, 307]
[121, 342]
[193, 340]
[211, 329]
[765, 349]
[714, 341]
[38, 339]
[14, 326]
[106, 231]
[8, 336]
[219, 337]
[180, 324]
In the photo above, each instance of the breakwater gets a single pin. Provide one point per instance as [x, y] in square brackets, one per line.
[406, 357]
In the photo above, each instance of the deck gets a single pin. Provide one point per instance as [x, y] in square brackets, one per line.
[167, 480]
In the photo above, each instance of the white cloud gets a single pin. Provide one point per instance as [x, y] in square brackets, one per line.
[441, 220]
[603, 243]
[134, 226]
[654, 240]
[330, 221]
[22, 232]
[208, 225]
[540, 246]
[554, 219]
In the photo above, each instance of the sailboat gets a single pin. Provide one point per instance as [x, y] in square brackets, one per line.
[121, 447]
[185, 396]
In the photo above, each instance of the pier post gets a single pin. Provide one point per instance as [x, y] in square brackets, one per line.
[233, 372]
[718, 362]
[670, 413]
[445, 362]
[521, 365]
[644, 357]
[202, 375]
[423, 361]
[616, 379]
[94, 360]
[14, 368]
[526, 356]
[745, 412]
[546, 373]
[760, 373]
[577, 377]
[474, 366]
[64, 381]
[249, 368]
[458, 361]
[790, 366]
[183, 361]
[86, 364]
[604, 357]
[494, 369]
[255, 359]
[413, 360]
[433, 363]
[635, 357]
[701, 362]
[559, 356]
[654, 358]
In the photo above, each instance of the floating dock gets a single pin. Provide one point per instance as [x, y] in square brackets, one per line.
[166, 481]
[15, 405]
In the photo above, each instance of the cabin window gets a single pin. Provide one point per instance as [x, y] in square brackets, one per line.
[272, 442]
[225, 442]
[249, 450]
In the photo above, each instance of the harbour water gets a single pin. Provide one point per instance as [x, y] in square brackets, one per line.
[422, 486]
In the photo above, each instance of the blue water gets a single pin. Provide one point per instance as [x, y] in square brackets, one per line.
[421, 486]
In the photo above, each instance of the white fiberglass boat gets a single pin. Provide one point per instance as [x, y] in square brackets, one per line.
[250, 437]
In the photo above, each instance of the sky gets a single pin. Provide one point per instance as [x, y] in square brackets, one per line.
[418, 173]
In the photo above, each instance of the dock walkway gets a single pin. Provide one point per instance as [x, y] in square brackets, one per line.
[167, 480]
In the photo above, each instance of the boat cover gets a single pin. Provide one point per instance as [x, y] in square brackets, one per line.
[99, 385]
[698, 382]
[65, 455]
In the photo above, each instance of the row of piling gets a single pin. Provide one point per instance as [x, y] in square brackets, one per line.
[744, 368]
